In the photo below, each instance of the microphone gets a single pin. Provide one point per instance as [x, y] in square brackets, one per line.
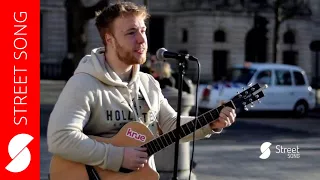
[163, 54]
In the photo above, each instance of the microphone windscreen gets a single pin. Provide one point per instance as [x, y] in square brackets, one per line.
[159, 53]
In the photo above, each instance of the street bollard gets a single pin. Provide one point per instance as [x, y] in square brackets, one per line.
[164, 159]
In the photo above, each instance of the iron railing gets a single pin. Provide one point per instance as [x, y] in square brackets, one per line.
[51, 71]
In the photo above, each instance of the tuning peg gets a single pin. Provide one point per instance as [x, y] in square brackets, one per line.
[246, 108]
[259, 101]
[243, 88]
[237, 92]
[252, 105]
[250, 84]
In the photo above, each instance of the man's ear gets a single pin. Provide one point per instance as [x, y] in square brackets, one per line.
[108, 39]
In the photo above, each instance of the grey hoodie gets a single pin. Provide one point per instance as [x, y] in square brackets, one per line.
[95, 101]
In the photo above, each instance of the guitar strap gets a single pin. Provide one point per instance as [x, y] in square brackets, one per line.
[92, 173]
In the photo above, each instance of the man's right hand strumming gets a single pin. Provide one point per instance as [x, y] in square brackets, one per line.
[134, 158]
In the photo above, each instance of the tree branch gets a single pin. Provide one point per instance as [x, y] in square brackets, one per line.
[294, 9]
[90, 12]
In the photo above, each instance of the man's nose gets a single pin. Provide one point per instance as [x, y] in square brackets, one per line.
[140, 38]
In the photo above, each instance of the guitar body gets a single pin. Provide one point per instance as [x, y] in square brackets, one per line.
[135, 134]
[62, 169]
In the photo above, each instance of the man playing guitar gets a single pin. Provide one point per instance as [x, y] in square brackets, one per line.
[107, 91]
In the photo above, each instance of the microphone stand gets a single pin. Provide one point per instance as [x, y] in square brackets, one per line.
[181, 62]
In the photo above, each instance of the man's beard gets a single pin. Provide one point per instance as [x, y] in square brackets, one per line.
[128, 57]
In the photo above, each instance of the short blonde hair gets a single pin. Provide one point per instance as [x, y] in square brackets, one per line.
[106, 17]
[163, 69]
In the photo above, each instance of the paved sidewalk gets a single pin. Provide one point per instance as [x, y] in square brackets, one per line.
[308, 125]
[233, 160]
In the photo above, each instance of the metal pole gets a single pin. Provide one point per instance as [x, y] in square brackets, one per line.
[317, 76]
[180, 88]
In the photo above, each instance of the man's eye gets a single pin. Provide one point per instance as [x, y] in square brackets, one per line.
[131, 33]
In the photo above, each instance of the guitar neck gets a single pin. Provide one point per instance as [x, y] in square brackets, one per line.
[170, 137]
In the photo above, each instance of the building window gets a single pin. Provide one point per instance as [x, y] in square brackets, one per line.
[290, 57]
[184, 35]
[256, 46]
[220, 62]
[289, 38]
[219, 36]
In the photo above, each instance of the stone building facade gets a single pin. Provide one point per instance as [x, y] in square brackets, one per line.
[217, 32]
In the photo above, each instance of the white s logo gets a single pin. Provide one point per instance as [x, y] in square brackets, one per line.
[19, 153]
[265, 150]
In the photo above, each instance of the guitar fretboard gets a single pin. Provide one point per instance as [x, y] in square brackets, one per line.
[167, 139]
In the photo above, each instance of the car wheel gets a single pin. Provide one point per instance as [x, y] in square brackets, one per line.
[300, 109]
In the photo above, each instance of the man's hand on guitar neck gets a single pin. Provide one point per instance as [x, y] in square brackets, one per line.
[227, 116]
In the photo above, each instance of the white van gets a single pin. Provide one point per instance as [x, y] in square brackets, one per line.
[288, 88]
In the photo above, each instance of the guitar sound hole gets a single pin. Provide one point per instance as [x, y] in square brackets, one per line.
[124, 170]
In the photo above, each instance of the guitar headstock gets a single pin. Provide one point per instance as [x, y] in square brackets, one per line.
[249, 96]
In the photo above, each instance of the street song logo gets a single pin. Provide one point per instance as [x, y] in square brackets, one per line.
[265, 150]
[290, 152]
[19, 153]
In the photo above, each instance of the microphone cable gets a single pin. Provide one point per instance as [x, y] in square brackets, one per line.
[196, 115]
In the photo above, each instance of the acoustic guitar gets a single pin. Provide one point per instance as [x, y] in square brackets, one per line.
[135, 134]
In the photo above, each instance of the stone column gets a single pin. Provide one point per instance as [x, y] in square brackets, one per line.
[164, 159]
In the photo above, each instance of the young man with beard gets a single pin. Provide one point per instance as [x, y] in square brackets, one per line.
[106, 92]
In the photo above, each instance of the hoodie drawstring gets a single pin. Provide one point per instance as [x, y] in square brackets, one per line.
[136, 111]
